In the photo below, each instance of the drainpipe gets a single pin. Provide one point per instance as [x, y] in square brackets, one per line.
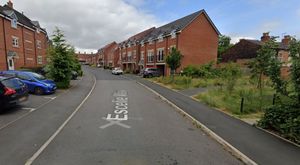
[5, 49]
[23, 46]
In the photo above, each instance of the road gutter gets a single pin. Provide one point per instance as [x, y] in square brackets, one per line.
[52, 137]
[235, 152]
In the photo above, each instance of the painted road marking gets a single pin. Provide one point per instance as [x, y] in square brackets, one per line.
[29, 109]
[114, 122]
[120, 110]
[52, 98]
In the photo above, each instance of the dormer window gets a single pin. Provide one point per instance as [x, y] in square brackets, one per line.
[38, 30]
[160, 38]
[150, 41]
[173, 34]
[14, 23]
[142, 43]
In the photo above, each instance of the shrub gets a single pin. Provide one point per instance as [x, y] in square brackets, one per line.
[283, 118]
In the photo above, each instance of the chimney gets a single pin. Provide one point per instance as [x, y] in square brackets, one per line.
[10, 4]
[286, 40]
[266, 37]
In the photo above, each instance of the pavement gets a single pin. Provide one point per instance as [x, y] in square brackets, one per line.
[192, 91]
[261, 147]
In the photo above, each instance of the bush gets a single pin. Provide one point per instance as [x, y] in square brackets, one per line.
[284, 119]
[202, 71]
[63, 84]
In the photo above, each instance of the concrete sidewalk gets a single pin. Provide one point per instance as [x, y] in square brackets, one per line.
[258, 145]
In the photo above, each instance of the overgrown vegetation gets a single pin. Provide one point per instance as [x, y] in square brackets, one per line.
[62, 60]
[284, 117]
[174, 60]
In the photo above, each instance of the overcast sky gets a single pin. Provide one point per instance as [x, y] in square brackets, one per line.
[91, 24]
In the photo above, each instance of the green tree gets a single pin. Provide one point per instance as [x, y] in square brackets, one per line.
[60, 64]
[230, 74]
[174, 60]
[224, 44]
[295, 67]
[266, 64]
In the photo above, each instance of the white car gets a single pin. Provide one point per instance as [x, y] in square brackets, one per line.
[117, 71]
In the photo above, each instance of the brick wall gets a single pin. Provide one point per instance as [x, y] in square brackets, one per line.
[198, 42]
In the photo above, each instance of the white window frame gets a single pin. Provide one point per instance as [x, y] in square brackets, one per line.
[15, 41]
[129, 56]
[173, 34]
[142, 55]
[160, 38]
[39, 60]
[150, 41]
[160, 54]
[134, 54]
[150, 56]
[39, 44]
[14, 23]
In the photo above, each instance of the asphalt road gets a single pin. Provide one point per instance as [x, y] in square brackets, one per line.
[152, 134]
[120, 123]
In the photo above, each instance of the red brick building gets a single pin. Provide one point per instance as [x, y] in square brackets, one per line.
[107, 55]
[86, 58]
[23, 43]
[195, 36]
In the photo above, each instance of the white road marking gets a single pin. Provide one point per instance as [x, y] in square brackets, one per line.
[30, 109]
[45, 145]
[114, 122]
[52, 98]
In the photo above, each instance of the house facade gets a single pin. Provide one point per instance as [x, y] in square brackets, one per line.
[23, 43]
[87, 58]
[106, 55]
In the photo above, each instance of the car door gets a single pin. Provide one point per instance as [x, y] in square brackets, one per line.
[27, 80]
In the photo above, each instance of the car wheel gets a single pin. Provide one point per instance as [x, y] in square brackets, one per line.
[150, 75]
[38, 91]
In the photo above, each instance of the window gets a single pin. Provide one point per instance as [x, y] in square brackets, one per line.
[160, 38]
[280, 57]
[142, 43]
[171, 47]
[134, 54]
[160, 55]
[14, 23]
[150, 56]
[129, 56]
[173, 34]
[15, 41]
[39, 44]
[142, 55]
[23, 76]
[40, 60]
[150, 41]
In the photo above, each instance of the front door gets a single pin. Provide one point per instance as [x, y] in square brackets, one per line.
[11, 65]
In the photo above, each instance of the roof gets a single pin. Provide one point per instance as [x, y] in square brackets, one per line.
[138, 37]
[281, 46]
[7, 11]
[178, 25]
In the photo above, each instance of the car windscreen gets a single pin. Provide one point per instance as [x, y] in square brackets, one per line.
[12, 83]
[37, 76]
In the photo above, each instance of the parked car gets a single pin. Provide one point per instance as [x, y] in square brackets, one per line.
[117, 71]
[12, 91]
[151, 72]
[36, 83]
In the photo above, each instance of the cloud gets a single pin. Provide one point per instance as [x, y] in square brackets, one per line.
[89, 24]
[236, 39]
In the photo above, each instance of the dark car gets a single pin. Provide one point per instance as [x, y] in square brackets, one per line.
[12, 91]
[36, 83]
[151, 72]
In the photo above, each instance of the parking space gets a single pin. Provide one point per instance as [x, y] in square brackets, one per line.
[33, 103]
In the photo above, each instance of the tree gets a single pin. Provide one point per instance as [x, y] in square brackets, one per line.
[224, 45]
[174, 60]
[295, 67]
[60, 64]
[265, 64]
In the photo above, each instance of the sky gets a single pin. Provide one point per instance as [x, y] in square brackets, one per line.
[91, 24]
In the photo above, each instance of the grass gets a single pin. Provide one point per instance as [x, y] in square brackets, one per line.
[219, 97]
[230, 102]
